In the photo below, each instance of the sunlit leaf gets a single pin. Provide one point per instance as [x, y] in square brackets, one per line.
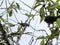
[19, 28]
[14, 34]
[42, 17]
[51, 8]
[48, 36]
[6, 29]
[42, 42]
[57, 0]
[2, 19]
[52, 1]
[10, 24]
[58, 22]
[57, 6]
[52, 12]
[42, 11]
[29, 15]
[40, 1]
[42, 14]
[36, 6]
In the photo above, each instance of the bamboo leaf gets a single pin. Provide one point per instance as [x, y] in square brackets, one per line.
[2, 19]
[29, 15]
[18, 6]
[42, 42]
[42, 37]
[57, 6]
[57, 0]
[37, 5]
[42, 14]
[10, 13]
[11, 25]
[58, 22]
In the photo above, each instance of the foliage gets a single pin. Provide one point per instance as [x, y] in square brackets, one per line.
[47, 8]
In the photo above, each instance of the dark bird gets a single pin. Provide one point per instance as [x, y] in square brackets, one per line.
[24, 24]
[51, 19]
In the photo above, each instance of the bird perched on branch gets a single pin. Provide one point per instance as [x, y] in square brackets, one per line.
[51, 19]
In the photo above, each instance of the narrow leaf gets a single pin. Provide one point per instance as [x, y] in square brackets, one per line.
[57, 6]
[18, 6]
[58, 22]
[42, 14]
[42, 37]
[42, 42]
[29, 15]
[9, 12]
[10, 24]
[2, 19]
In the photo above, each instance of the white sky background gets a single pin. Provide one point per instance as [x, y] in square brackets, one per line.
[34, 23]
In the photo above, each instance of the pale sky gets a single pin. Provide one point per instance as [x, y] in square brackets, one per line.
[34, 23]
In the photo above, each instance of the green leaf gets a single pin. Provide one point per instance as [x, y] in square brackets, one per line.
[36, 6]
[42, 14]
[52, 1]
[18, 6]
[14, 34]
[29, 15]
[7, 29]
[12, 6]
[57, 6]
[42, 11]
[19, 28]
[52, 12]
[10, 13]
[48, 36]
[42, 17]
[42, 42]
[41, 37]
[58, 22]
[2, 19]
[57, 0]
[11, 25]
[51, 8]
[39, 1]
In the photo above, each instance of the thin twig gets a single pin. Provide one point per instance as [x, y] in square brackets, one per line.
[1, 3]
[28, 6]
[15, 17]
